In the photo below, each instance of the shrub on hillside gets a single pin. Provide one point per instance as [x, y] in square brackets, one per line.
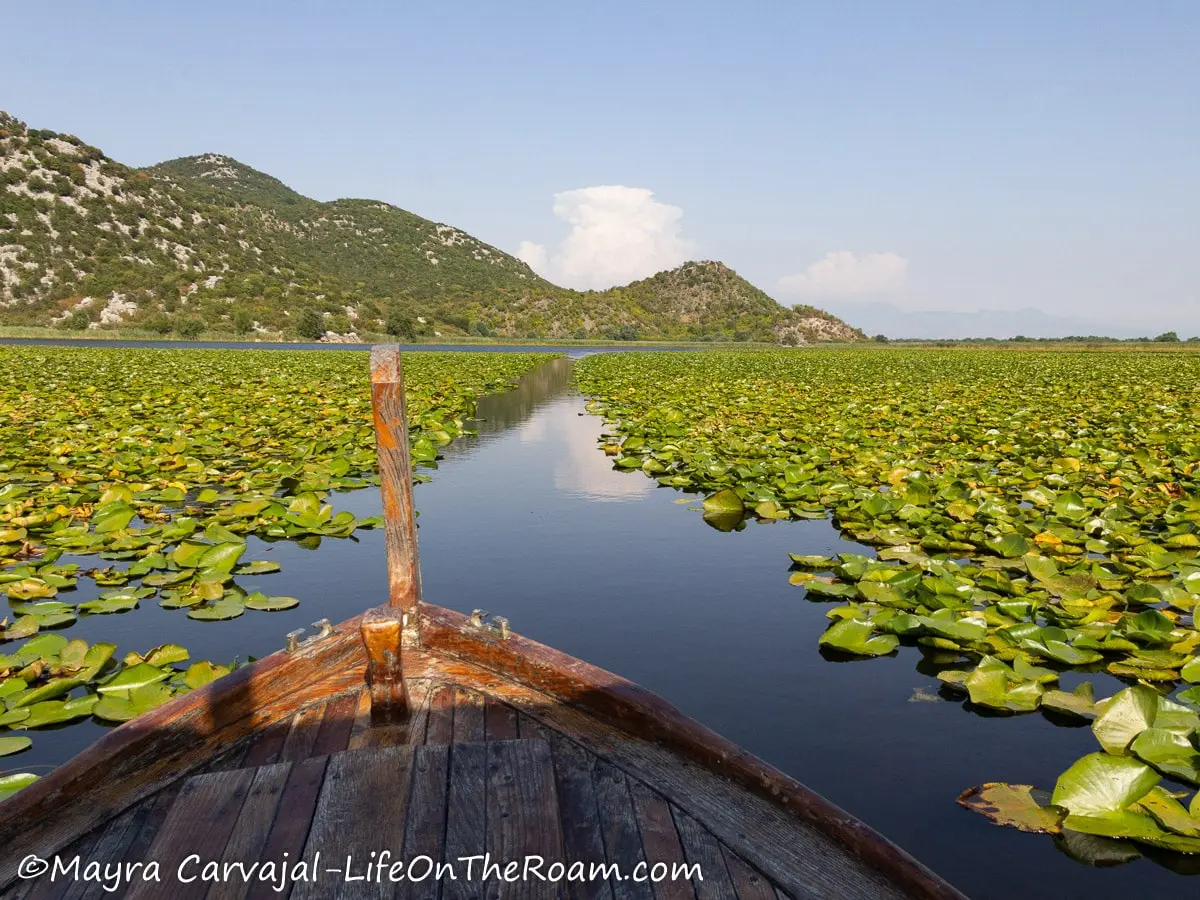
[399, 324]
[189, 329]
[310, 325]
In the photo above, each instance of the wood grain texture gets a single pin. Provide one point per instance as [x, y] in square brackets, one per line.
[361, 729]
[409, 731]
[382, 636]
[46, 888]
[800, 842]
[395, 483]
[522, 815]
[199, 822]
[111, 846]
[792, 852]
[618, 823]
[468, 717]
[293, 817]
[425, 827]
[248, 838]
[362, 807]
[439, 728]
[749, 883]
[529, 727]
[568, 682]
[660, 840]
[140, 757]
[156, 808]
[418, 721]
[264, 747]
[466, 816]
[700, 847]
[333, 736]
[500, 720]
[302, 736]
[583, 840]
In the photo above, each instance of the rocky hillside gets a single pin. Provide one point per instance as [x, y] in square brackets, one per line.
[704, 298]
[207, 243]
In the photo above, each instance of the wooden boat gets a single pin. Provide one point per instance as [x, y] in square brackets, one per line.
[425, 734]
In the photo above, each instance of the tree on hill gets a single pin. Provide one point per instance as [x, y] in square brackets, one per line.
[310, 325]
[189, 329]
[399, 324]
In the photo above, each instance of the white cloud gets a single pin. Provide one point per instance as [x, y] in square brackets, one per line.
[842, 272]
[618, 234]
[533, 254]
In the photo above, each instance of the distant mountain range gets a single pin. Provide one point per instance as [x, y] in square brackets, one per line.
[208, 243]
[890, 320]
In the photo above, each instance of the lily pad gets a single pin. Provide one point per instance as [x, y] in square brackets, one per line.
[218, 611]
[261, 602]
[11, 745]
[855, 636]
[1102, 783]
[1020, 806]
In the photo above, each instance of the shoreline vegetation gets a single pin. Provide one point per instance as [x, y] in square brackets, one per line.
[1033, 520]
[144, 479]
[103, 335]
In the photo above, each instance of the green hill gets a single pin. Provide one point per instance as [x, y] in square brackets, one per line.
[206, 242]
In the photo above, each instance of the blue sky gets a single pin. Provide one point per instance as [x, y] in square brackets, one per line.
[927, 155]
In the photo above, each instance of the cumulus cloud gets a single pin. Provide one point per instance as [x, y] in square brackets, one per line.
[843, 272]
[618, 234]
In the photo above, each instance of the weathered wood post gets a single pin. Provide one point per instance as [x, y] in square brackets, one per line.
[386, 630]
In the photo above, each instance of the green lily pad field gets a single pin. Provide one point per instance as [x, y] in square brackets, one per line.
[146, 470]
[1032, 513]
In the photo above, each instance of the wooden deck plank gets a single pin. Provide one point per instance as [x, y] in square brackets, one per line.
[114, 843]
[500, 720]
[411, 731]
[468, 718]
[797, 857]
[660, 840]
[582, 838]
[618, 823]
[440, 719]
[361, 729]
[699, 846]
[234, 758]
[199, 822]
[364, 799]
[265, 746]
[522, 814]
[293, 817]
[338, 719]
[303, 733]
[529, 727]
[44, 888]
[157, 807]
[425, 827]
[466, 816]
[419, 696]
[250, 832]
[749, 883]
[127, 765]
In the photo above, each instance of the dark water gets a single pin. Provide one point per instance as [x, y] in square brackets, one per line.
[528, 520]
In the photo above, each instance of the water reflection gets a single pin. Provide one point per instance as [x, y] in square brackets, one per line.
[566, 445]
[498, 412]
[520, 520]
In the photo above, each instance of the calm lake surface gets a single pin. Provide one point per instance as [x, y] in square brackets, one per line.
[529, 520]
